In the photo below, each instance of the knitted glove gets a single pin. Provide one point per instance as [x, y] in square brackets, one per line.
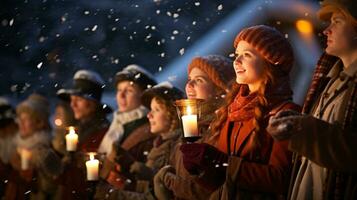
[200, 157]
[161, 192]
[285, 124]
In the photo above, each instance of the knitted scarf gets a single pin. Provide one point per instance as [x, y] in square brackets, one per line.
[244, 104]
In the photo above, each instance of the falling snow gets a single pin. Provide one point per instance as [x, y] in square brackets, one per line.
[39, 65]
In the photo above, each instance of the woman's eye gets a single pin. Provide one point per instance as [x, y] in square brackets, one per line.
[247, 55]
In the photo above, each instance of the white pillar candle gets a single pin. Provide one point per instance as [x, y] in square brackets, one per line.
[189, 123]
[92, 166]
[71, 139]
[25, 158]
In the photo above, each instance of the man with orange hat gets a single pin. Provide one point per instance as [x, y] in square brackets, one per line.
[327, 137]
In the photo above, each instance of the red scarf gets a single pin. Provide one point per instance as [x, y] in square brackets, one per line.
[244, 104]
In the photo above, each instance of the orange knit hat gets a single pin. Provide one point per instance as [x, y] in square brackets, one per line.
[270, 43]
[218, 68]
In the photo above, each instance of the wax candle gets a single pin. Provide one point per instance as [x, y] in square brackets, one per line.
[71, 139]
[189, 123]
[25, 155]
[92, 166]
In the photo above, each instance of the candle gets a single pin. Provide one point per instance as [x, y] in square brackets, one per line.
[189, 123]
[25, 158]
[92, 166]
[71, 139]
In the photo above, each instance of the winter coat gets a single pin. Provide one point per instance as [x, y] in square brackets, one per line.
[116, 132]
[183, 185]
[73, 183]
[328, 145]
[254, 172]
[37, 182]
[136, 142]
[159, 156]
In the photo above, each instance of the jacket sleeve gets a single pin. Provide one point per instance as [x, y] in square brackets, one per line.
[185, 188]
[326, 144]
[266, 177]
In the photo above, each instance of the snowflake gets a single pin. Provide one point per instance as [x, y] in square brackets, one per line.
[39, 65]
[182, 51]
[94, 28]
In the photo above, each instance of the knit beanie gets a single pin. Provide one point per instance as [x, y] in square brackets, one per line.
[218, 68]
[35, 104]
[270, 43]
[330, 6]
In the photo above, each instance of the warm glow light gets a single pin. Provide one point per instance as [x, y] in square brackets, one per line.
[304, 26]
[189, 110]
[91, 156]
[71, 130]
[58, 122]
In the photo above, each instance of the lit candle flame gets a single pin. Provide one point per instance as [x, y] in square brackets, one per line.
[91, 156]
[71, 130]
[189, 110]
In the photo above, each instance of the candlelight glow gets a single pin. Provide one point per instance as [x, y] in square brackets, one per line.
[58, 122]
[189, 110]
[304, 26]
[71, 130]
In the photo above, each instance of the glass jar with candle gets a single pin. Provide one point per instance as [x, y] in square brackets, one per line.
[189, 112]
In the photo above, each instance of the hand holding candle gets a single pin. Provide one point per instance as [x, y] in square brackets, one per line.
[92, 166]
[71, 139]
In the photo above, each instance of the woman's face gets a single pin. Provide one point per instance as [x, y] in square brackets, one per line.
[158, 117]
[199, 85]
[341, 36]
[128, 96]
[28, 125]
[248, 65]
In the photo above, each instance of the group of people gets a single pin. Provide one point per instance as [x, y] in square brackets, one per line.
[256, 143]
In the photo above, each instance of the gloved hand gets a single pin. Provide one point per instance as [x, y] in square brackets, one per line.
[160, 190]
[199, 157]
[141, 171]
[285, 124]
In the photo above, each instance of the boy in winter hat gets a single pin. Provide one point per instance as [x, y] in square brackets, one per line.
[128, 137]
[85, 97]
[326, 135]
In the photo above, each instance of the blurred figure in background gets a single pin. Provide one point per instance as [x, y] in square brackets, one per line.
[35, 164]
[8, 130]
[85, 101]
[129, 138]
[165, 125]
[63, 118]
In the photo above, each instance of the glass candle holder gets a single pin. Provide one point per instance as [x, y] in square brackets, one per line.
[189, 112]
